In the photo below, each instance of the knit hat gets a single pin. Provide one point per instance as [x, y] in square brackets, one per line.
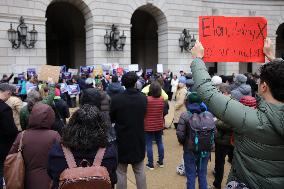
[216, 80]
[241, 78]
[248, 101]
[182, 79]
[193, 98]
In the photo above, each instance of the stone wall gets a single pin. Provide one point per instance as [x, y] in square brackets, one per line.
[172, 17]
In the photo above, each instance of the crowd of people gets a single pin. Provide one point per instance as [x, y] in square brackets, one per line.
[119, 117]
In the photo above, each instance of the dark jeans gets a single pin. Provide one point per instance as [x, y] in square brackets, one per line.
[150, 136]
[193, 163]
[220, 154]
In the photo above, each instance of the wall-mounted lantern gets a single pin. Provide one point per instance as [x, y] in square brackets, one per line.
[21, 35]
[114, 39]
[186, 41]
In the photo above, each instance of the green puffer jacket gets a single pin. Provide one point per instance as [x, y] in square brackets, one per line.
[259, 133]
[25, 113]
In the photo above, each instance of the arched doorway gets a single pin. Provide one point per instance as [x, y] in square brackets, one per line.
[149, 40]
[65, 35]
[144, 40]
[280, 41]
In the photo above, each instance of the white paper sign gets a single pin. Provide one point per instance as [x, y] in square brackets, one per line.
[133, 67]
[114, 66]
[160, 68]
[73, 71]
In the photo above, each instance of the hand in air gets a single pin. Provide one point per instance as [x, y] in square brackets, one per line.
[197, 51]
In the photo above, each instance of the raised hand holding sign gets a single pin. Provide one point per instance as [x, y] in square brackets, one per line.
[232, 39]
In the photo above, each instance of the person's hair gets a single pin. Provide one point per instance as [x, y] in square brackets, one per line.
[272, 74]
[91, 96]
[86, 130]
[155, 90]
[6, 87]
[225, 88]
[160, 81]
[114, 79]
[129, 80]
[32, 98]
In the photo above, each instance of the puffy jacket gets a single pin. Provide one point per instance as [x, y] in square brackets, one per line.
[114, 88]
[16, 104]
[180, 106]
[259, 133]
[240, 91]
[154, 118]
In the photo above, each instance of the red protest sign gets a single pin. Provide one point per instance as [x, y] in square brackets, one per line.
[232, 39]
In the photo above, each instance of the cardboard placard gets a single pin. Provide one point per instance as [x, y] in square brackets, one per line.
[160, 68]
[47, 71]
[97, 71]
[133, 67]
[232, 39]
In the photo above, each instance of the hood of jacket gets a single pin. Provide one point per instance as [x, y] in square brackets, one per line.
[274, 113]
[115, 87]
[244, 89]
[41, 117]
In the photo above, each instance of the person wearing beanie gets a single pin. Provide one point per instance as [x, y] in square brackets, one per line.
[194, 162]
[216, 80]
[180, 99]
[61, 110]
[248, 101]
[241, 88]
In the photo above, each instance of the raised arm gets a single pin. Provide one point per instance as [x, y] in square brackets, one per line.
[223, 107]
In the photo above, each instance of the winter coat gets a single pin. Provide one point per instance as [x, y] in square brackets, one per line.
[8, 130]
[16, 104]
[258, 133]
[57, 162]
[224, 134]
[24, 113]
[114, 88]
[146, 89]
[240, 91]
[154, 118]
[179, 105]
[183, 128]
[61, 111]
[105, 109]
[37, 142]
[127, 112]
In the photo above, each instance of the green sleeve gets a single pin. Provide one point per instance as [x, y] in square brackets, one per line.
[223, 107]
[49, 99]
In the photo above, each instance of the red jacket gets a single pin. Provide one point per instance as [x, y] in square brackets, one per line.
[154, 119]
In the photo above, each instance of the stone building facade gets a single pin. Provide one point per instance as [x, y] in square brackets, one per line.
[72, 31]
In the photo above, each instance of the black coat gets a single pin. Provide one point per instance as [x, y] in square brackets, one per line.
[61, 111]
[57, 163]
[8, 130]
[127, 112]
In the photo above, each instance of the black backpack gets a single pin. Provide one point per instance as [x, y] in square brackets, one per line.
[202, 130]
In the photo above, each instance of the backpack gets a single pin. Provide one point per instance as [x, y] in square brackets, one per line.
[88, 177]
[202, 130]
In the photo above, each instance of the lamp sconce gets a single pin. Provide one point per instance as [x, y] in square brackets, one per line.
[20, 36]
[186, 41]
[114, 39]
